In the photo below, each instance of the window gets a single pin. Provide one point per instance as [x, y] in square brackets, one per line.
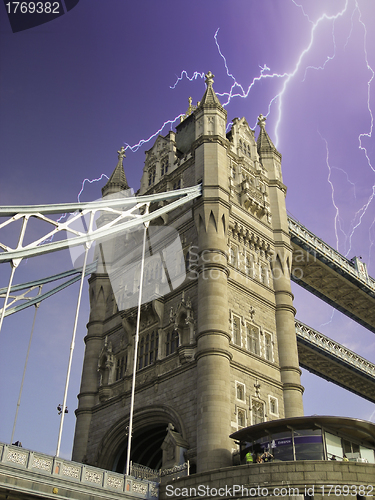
[268, 347]
[121, 367]
[264, 274]
[257, 410]
[252, 339]
[151, 176]
[241, 418]
[177, 185]
[148, 350]
[240, 391]
[233, 253]
[248, 264]
[236, 330]
[273, 405]
[172, 342]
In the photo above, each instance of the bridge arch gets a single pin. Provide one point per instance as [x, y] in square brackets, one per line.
[149, 431]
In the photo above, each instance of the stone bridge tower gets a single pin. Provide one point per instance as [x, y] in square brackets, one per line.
[218, 351]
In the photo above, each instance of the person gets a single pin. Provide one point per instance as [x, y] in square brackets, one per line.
[345, 458]
[267, 457]
[259, 459]
[333, 457]
[249, 457]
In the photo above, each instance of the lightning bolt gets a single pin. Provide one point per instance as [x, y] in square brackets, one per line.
[196, 74]
[238, 90]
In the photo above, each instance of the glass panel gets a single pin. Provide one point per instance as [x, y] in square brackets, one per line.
[308, 447]
[334, 448]
[282, 446]
[367, 454]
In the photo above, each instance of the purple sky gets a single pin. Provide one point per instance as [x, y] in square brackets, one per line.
[74, 90]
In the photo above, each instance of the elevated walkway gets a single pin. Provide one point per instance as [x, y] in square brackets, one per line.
[25, 474]
[334, 362]
[342, 283]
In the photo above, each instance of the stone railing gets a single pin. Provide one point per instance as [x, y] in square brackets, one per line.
[111, 484]
[325, 252]
[317, 339]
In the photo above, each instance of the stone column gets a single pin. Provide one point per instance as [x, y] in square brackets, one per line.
[212, 355]
[89, 379]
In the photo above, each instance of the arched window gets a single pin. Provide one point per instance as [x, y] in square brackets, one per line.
[148, 350]
[121, 366]
[268, 347]
[257, 411]
[241, 418]
[154, 347]
[240, 392]
[172, 342]
[252, 339]
[141, 353]
[236, 330]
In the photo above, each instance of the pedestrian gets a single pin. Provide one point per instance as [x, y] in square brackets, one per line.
[267, 457]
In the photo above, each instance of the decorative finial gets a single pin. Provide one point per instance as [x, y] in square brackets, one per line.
[262, 122]
[257, 388]
[209, 79]
[121, 153]
[252, 312]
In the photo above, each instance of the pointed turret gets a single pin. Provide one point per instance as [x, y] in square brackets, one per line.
[210, 98]
[264, 143]
[117, 182]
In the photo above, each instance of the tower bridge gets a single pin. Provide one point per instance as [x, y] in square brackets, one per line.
[219, 348]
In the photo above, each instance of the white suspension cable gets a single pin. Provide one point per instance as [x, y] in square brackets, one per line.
[130, 429]
[73, 338]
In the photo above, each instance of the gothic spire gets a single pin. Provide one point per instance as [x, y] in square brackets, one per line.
[209, 97]
[117, 182]
[264, 143]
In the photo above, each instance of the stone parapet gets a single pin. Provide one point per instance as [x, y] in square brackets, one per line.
[284, 479]
[24, 473]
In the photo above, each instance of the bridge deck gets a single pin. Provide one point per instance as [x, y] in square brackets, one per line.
[334, 362]
[331, 276]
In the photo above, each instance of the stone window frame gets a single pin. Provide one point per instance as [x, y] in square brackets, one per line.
[264, 271]
[242, 385]
[233, 170]
[164, 165]
[237, 316]
[269, 335]
[256, 401]
[241, 411]
[151, 175]
[171, 345]
[233, 254]
[148, 352]
[121, 365]
[253, 325]
[276, 405]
